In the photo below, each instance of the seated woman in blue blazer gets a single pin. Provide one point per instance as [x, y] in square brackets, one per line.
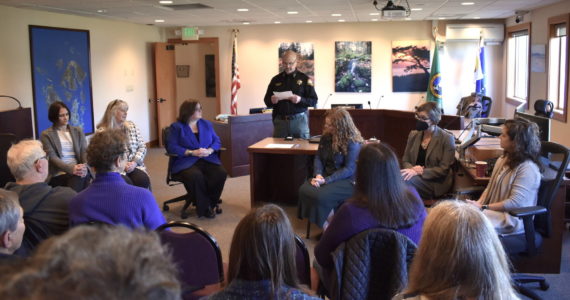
[334, 167]
[429, 154]
[194, 141]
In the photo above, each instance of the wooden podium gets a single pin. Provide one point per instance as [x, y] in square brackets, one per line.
[239, 133]
[15, 125]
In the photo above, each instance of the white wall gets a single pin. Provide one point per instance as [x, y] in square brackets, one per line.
[257, 50]
[538, 81]
[121, 61]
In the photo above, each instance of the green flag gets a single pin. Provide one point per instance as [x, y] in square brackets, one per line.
[434, 86]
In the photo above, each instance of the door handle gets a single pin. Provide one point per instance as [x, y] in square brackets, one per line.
[159, 100]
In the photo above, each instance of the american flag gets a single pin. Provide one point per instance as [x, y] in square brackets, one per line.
[235, 76]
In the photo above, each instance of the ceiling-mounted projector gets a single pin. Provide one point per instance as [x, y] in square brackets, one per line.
[392, 11]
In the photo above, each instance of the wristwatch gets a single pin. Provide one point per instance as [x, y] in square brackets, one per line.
[484, 207]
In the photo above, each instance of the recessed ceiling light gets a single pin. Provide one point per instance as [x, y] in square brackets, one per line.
[245, 23]
[417, 9]
[441, 18]
[476, 17]
[165, 2]
[374, 14]
[158, 21]
[277, 22]
[408, 19]
[336, 15]
[308, 21]
[242, 9]
[292, 12]
[374, 20]
[467, 3]
[341, 20]
[101, 11]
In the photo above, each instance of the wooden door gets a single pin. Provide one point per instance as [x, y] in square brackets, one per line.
[165, 85]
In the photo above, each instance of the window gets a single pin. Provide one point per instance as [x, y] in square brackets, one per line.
[558, 65]
[518, 63]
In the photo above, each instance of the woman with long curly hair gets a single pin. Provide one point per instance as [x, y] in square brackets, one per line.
[334, 166]
[516, 176]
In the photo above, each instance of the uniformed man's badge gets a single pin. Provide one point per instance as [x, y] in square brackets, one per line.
[310, 82]
[278, 84]
[299, 82]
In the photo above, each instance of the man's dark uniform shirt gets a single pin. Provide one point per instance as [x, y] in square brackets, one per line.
[296, 82]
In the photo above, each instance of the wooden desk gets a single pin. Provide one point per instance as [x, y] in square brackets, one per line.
[236, 135]
[277, 173]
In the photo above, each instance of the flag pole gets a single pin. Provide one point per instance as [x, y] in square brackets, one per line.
[235, 83]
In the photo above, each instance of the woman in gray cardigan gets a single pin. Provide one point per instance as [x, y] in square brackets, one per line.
[516, 176]
[429, 154]
[66, 148]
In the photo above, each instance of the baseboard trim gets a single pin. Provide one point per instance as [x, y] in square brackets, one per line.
[151, 144]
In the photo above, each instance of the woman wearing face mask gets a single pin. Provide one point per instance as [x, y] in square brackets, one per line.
[429, 154]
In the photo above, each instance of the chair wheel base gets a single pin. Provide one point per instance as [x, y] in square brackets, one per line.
[544, 285]
[165, 207]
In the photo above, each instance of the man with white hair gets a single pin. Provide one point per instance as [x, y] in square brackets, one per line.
[11, 224]
[45, 207]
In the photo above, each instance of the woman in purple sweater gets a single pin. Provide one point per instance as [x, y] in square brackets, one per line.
[109, 199]
[381, 200]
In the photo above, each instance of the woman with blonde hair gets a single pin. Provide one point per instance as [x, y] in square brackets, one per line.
[115, 117]
[460, 257]
[262, 258]
[334, 167]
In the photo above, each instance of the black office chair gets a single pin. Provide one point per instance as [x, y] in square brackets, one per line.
[537, 219]
[486, 103]
[303, 262]
[172, 180]
[544, 108]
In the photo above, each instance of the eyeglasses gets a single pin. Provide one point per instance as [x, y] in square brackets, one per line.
[43, 157]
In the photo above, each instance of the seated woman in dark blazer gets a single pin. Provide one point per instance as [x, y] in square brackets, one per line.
[429, 154]
[381, 200]
[194, 140]
[334, 167]
[66, 150]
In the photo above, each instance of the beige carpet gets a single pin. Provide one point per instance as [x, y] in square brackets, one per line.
[236, 204]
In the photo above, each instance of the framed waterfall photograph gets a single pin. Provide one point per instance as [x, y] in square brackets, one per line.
[353, 67]
[61, 71]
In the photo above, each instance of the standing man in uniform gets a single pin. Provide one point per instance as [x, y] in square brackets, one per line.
[290, 117]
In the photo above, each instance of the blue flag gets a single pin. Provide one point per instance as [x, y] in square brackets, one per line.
[480, 69]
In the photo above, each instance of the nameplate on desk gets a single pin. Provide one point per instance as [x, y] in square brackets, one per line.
[280, 146]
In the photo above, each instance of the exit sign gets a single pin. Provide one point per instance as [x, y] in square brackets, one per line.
[190, 33]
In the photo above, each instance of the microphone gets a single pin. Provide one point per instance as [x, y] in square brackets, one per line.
[369, 104]
[327, 100]
[379, 100]
[19, 104]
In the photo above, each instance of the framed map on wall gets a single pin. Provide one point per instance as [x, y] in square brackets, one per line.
[61, 71]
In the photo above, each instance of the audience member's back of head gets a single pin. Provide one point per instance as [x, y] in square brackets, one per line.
[460, 256]
[388, 199]
[96, 262]
[11, 222]
[263, 248]
[22, 157]
[104, 149]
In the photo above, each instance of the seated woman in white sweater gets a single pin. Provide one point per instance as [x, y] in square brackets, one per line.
[516, 177]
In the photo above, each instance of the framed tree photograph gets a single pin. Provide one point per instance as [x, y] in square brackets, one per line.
[61, 71]
[410, 66]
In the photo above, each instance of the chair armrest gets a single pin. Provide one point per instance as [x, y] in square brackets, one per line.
[170, 154]
[527, 211]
